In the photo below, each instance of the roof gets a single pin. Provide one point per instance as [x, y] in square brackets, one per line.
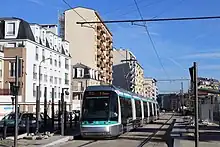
[113, 88]
[96, 13]
[80, 65]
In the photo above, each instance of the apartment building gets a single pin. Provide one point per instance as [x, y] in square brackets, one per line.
[150, 88]
[127, 72]
[82, 76]
[38, 48]
[90, 44]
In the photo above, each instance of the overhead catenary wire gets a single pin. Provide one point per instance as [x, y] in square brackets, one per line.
[151, 40]
[76, 12]
[154, 19]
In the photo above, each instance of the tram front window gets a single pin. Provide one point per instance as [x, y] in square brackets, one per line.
[96, 106]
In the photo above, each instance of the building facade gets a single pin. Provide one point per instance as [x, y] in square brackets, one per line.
[38, 48]
[1, 66]
[82, 77]
[150, 88]
[127, 72]
[90, 44]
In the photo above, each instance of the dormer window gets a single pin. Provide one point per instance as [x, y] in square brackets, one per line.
[11, 28]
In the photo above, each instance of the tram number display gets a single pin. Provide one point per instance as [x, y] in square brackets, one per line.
[97, 93]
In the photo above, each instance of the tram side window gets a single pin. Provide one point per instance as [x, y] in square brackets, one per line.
[145, 110]
[138, 108]
[151, 111]
[126, 108]
[114, 108]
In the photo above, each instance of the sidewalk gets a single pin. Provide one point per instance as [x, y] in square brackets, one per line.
[183, 134]
[54, 140]
[45, 142]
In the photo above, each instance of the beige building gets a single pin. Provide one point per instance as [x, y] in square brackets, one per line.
[127, 72]
[90, 44]
[150, 88]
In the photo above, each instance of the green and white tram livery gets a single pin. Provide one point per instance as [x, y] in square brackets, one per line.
[108, 111]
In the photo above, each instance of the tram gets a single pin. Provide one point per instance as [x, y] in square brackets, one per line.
[108, 111]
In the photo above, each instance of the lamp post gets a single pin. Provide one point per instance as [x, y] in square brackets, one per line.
[38, 97]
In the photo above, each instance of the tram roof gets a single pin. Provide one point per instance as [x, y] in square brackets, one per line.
[120, 91]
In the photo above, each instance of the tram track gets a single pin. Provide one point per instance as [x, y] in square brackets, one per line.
[149, 138]
[88, 143]
[143, 136]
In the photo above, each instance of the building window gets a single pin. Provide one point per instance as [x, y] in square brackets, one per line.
[55, 62]
[80, 73]
[12, 69]
[59, 62]
[34, 90]
[66, 79]
[34, 72]
[60, 80]
[55, 80]
[45, 78]
[58, 92]
[55, 92]
[51, 79]
[43, 54]
[11, 29]
[36, 53]
[67, 63]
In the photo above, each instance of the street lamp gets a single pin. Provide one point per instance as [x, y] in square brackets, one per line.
[38, 98]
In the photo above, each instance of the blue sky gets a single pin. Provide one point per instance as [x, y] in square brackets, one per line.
[178, 43]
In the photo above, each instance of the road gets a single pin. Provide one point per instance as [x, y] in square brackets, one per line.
[133, 138]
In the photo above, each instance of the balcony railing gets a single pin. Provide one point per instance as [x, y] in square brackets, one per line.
[4, 91]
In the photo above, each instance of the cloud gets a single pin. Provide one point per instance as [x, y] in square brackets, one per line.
[38, 2]
[202, 55]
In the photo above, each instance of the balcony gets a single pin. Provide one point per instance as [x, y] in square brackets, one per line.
[110, 70]
[5, 92]
[107, 38]
[102, 47]
[102, 38]
[78, 89]
[99, 52]
[98, 35]
[99, 27]
[111, 55]
[102, 31]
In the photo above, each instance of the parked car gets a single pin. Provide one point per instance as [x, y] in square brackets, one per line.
[22, 122]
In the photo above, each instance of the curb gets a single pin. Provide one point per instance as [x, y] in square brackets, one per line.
[19, 136]
[65, 139]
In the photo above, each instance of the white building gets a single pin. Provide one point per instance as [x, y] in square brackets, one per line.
[150, 88]
[35, 45]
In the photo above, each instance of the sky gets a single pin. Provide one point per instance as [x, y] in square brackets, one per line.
[178, 43]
